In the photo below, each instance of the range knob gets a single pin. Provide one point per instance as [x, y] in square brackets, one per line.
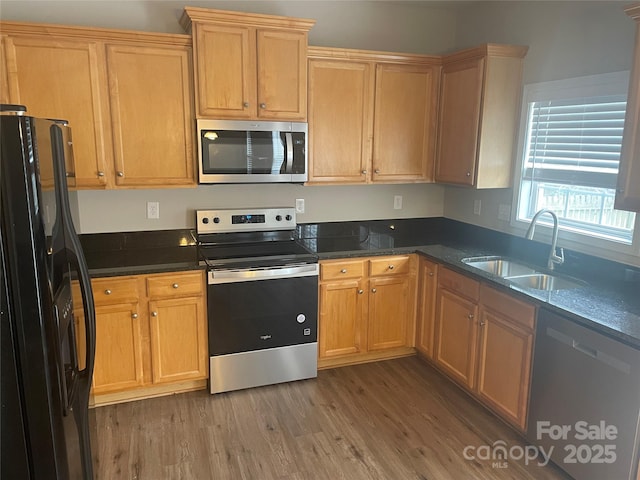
[288, 218]
[216, 219]
[278, 217]
[205, 220]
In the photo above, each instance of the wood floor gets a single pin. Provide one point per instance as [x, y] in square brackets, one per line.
[392, 420]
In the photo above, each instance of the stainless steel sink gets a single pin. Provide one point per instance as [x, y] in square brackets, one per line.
[499, 266]
[544, 281]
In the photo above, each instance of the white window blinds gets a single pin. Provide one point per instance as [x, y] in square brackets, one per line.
[575, 141]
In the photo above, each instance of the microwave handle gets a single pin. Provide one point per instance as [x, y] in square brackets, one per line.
[289, 149]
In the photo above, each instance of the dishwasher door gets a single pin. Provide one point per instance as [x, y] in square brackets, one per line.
[585, 400]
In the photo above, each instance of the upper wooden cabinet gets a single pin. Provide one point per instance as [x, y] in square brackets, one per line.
[480, 98]
[249, 66]
[628, 191]
[151, 114]
[126, 95]
[372, 116]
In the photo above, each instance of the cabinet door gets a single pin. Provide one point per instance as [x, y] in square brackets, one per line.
[4, 79]
[282, 75]
[341, 329]
[628, 189]
[456, 336]
[504, 365]
[65, 80]
[151, 115]
[340, 114]
[406, 100]
[389, 312]
[460, 103]
[226, 75]
[427, 307]
[178, 339]
[118, 361]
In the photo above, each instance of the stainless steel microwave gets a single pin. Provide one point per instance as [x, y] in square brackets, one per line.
[239, 151]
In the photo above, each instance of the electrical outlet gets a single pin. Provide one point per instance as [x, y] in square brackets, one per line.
[153, 210]
[299, 205]
[397, 202]
[477, 206]
[504, 211]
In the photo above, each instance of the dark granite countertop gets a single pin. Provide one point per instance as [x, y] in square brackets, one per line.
[610, 303]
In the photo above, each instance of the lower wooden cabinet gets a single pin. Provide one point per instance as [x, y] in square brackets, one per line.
[151, 335]
[483, 339]
[367, 309]
[428, 283]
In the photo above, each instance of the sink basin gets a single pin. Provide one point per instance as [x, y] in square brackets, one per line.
[545, 281]
[499, 266]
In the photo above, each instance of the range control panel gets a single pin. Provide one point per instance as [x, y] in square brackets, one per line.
[245, 220]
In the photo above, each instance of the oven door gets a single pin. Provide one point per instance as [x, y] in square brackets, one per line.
[263, 326]
[251, 152]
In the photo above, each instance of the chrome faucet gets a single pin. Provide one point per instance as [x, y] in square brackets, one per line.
[553, 258]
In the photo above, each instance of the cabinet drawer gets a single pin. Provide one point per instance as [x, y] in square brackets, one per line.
[389, 266]
[110, 291]
[175, 285]
[459, 284]
[342, 269]
[516, 310]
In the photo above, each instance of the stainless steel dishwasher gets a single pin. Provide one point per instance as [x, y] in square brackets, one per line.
[585, 400]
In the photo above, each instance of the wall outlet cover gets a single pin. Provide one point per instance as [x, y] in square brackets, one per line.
[153, 210]
[299, 205]
[477, 206]
[397, 202]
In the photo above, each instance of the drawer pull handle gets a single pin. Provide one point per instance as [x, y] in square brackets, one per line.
[107, 292]
[154, 314]
[360, 292]
[175, 285]
[134, 315]
[373, 290]
[344, 270]
[391, 267]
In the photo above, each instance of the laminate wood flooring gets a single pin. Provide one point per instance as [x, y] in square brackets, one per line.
[393, 420]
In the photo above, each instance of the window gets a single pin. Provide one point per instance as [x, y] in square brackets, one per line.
[571, 154]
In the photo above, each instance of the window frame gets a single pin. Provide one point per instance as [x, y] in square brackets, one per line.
[588, 86]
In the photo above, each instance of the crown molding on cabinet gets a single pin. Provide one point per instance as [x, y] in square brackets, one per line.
[194, 14]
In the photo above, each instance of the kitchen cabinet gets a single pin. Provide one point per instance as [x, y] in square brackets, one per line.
[151, 114]
[151, 335]
[372, 116]
[249, 66]
[367, 309]
[456, 326]
[4, 80]
[64, 78]
[484, 340]
[505, 352]
[428, 284]
[126, 95]
[480, 97]
[628, 188]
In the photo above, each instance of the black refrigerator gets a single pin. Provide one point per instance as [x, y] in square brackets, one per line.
[47, 313]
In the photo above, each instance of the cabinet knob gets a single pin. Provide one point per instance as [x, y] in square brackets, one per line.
[69, 142]
[154, 314]
[364, 172]
[134, 315]
[377, 170]
[121, 174]
[431, 274]
[360, 292]
[391, 267]
[101, 174]
[468, 174]
[71, 174]
[263, 105]
[471, 316]
[245, 104]
[175, 285]
[373, 290]
[482, 322]
[107, 292]
[344, 270]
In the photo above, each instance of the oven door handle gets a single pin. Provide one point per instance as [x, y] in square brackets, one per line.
[248, 275]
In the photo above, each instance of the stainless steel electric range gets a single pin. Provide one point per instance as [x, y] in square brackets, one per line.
[262, 298]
